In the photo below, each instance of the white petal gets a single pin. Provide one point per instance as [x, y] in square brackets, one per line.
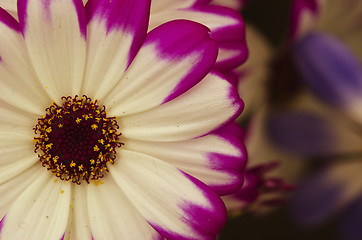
[106, 61]
[173, 58]
[167, 198]
[19, 84]
[212, 20]
[113, 216]
[226, 28]
[15, 158]
[116, 29]
[205, 107]
[15, 122]
[215, 159]
[54, 33]
[40, 212]
[10, 6]
[79, 226]
[10, 190]
[16, 145]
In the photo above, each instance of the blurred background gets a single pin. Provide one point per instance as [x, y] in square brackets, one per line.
[283, 88]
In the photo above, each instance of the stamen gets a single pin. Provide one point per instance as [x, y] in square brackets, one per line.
[76, 141]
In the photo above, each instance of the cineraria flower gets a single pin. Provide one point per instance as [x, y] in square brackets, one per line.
[226, 26]
[107, 131]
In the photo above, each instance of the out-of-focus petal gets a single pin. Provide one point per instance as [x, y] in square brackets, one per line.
[255, 72]
[303, 17]
[326, 193]
[332, 72]
[234, 4]
[309, 134]
[342, 19]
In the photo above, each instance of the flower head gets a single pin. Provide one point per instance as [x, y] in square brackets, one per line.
[108, 130]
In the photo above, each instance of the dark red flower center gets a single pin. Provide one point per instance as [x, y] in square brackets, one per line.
[76, 140]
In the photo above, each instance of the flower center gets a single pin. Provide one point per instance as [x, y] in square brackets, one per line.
[75, 141]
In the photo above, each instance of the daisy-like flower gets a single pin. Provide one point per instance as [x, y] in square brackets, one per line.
[110, 132]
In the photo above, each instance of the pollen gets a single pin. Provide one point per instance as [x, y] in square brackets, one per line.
[76, 140]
